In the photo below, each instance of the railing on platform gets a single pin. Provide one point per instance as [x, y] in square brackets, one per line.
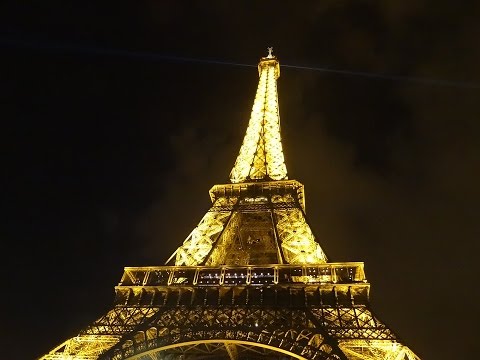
[252, 275]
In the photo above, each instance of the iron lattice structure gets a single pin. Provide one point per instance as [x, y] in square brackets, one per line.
[250, 281]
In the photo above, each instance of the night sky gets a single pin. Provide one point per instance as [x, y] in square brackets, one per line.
[110, 143]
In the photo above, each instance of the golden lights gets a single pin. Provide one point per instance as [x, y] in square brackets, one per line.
[261, 154]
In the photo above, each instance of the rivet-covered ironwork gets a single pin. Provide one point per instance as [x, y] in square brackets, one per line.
[250, 281]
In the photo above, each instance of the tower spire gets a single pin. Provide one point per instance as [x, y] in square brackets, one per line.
[261, 155]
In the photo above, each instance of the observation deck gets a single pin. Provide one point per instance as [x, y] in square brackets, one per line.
[253, 192]
[275, 285]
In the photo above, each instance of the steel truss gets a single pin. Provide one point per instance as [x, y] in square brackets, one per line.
[282, 206]
[250, 281]
[308, 312]
[261, 154]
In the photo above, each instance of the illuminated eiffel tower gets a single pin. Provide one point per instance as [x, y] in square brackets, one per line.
[250, 281]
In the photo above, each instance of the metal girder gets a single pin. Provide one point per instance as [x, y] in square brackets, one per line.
[82, 347]
[199, 243]
[296, 237]
[102, 334]
[250, 280]
[287, 330]
[261, 154]
[232, 350]
[282, 218]
[376, 350]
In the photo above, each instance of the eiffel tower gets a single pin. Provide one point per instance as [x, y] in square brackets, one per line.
[250, 281]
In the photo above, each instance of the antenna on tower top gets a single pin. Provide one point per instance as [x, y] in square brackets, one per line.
[270, 50]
